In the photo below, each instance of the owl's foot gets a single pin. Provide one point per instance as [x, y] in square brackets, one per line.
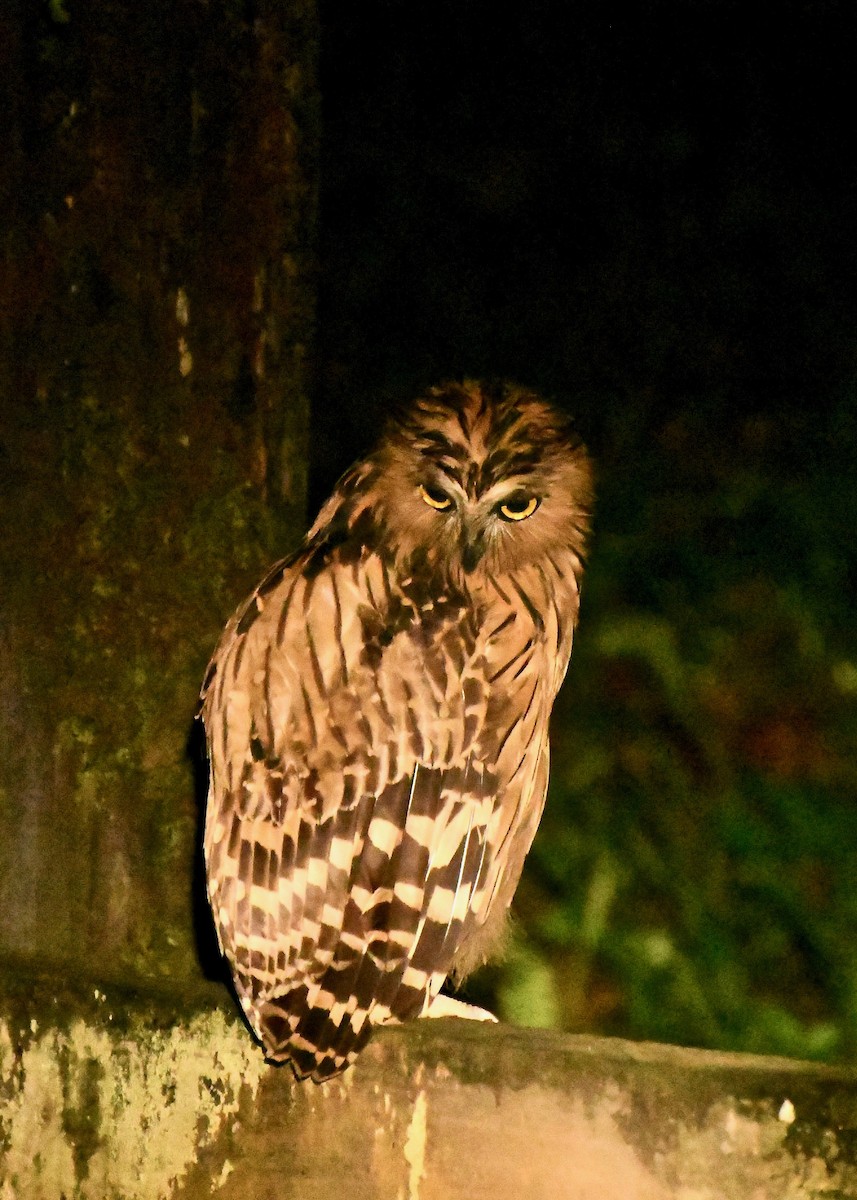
[446, 1006]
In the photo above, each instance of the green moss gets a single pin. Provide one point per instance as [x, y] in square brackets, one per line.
[151, 441]
[117, 1114]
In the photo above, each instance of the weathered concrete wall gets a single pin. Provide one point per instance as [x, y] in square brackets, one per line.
[156, 302]
[106, 1097]
[157, 183]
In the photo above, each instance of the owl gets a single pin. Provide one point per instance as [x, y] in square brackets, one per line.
[377, 722]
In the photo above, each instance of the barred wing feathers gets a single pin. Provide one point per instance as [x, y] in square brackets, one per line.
[379, 767]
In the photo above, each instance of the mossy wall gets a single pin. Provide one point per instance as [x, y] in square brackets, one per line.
[102, 1099]
[157, 188]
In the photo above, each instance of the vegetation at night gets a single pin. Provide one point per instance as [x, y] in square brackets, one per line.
[645, 212]
[649, 217]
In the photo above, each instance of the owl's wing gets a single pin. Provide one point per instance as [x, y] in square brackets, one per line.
[358, 809]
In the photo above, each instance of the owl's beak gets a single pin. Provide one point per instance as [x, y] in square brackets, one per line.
[472, 550]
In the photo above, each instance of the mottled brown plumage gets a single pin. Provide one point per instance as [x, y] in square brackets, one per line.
[377, 716]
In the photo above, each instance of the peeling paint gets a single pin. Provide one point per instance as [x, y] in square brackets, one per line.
[135, 1111]
[115, 1116]
[415, 1145]
[225, 1171]
[185, 358]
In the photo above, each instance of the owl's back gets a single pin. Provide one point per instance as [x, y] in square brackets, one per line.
[377, 720]
[379, 763]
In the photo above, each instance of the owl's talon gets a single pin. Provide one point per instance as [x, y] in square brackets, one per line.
[447, 1006]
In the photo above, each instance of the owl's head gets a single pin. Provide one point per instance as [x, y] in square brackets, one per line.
[477, 477]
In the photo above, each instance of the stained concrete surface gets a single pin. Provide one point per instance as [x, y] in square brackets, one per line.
[107, 1095]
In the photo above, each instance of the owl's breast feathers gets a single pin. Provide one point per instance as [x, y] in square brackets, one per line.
[378, 753]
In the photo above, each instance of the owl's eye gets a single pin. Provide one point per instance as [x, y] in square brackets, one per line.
[518, 508]
[435, 498]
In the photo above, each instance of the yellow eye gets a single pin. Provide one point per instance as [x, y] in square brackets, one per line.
[435, 498]
[518, 508]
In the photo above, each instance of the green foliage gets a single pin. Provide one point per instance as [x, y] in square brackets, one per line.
[689, 296]
[695, 875]
[58, 12]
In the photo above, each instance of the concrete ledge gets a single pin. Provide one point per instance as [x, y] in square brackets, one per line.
[112, 1096]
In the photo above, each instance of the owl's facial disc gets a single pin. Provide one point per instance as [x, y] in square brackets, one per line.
[517, 505]
[475, 517]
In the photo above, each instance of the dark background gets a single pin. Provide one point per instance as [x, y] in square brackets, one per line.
[647, 212]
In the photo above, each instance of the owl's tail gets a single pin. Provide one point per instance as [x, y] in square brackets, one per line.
[316, 1041]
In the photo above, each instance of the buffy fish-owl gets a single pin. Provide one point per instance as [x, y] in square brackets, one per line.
[377, 722]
